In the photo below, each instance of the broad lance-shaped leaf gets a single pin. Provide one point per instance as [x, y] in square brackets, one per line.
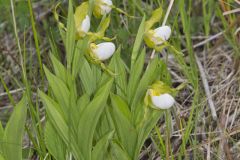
[59, 89]
[121, 106]
[71, 34]
[89, 118]
[87, 78]
[76, 109]
[59, 69]
[59, 123]
[105, 124]
[138, 42]
[78, 59]
[101, 147]
[118, 152]
[55, 117]
[150, 75]
[121, 78]
[82, 102]
[146, 128]
[125, 130]
[135, 75]
[54, 143]
[13, 135]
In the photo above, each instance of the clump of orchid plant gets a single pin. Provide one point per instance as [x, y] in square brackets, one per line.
[138, 96]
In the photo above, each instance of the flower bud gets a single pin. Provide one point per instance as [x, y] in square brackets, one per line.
[102, 7]
[103, 51]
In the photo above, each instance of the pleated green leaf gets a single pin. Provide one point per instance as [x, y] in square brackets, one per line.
[150, 75]
[87, 78]
[55, 116]
[59, 123]
[13, 135]
[135, 75]
[89, 119]
[78, 60]
[54, 143]
[121, 77]
[71, 34]
[146, 128]
[119, 153]
[101, 148]
[138, 42]
[125, 130]
[59, 68]
[82, 102]
[60, 90]
[121, 105]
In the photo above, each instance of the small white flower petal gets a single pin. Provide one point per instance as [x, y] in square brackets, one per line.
[163, 32]
[85, 26]
[164, 101]
[105, 6]
[104, 50]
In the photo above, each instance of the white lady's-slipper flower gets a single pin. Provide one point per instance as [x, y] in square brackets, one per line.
[103, 51]
[106, 6]
[85, 25]
[157, 36]
[161, 34]
[159, 96]
[102, 7]
[164, 101]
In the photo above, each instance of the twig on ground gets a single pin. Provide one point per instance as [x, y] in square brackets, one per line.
[231, 11]
[206, 88]
[237, 1]
[12, 92]
[202, 43]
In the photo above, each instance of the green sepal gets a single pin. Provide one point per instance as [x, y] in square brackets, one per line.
[80, 13]
[156, 17]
